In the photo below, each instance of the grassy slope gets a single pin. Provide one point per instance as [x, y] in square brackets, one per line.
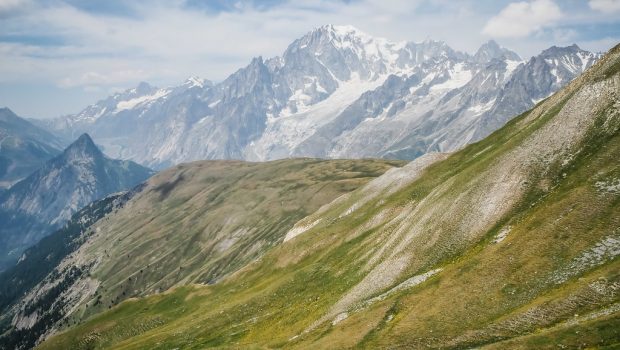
[555, 273]
[198, 222]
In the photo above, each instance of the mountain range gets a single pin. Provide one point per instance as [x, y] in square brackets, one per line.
[46, 199]
[334, 93]
[510, 242]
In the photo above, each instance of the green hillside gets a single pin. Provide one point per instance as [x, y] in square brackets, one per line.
[194, 223]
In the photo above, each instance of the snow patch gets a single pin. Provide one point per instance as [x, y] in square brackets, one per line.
[481, 107]
[288, 129]
[134, 102]
[194, 81]
[585, 60]
[459, 76]
[510, 68]
[366, 46]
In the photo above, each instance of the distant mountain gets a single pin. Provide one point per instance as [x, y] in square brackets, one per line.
[23, 148]
[443, 104]
[335, 92]
[534, 81]
[491, 50]
[46, 199]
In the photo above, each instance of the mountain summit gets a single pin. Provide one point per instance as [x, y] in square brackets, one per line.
[82, 149]
[491, 50]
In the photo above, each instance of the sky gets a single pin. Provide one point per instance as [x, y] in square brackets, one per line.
[58, 56]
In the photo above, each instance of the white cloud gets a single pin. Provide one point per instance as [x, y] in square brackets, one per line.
[7, 6]
[605, 6]
[91, 80]
[564, 36]
[520, 19]
[167, 42]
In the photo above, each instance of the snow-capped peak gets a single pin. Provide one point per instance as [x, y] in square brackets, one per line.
[565, 62]
[337, 46]
[344, 29]
[194, 81]
[347, 36]
[344, 32]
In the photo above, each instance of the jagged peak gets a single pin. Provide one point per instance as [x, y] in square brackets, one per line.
[256, 65]
[142, 88]
[348, 36]
[195, 81]
[432, 42]
[491, 44]
[352, 33]
[11, 118]
[255, 72]
[257, 61]
[84, 138]
[492, 50]
[84, 141]
[561, 50]
[83, 147]
[339, 35]
[144, 85]
[6, 112]
[342, 30]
